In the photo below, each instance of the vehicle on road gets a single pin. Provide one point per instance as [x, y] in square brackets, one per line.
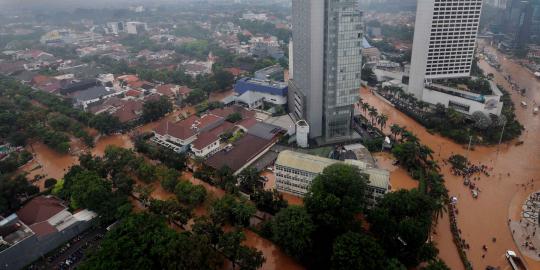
[515, 261]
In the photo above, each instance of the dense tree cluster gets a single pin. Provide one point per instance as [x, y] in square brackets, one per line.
[143, 241]
[13, 191]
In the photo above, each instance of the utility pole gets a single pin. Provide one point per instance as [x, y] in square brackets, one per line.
[469, 147]
[500, 138]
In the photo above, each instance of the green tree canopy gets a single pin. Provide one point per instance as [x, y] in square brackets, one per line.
[143, 241]
[292, 229]
[336, 196]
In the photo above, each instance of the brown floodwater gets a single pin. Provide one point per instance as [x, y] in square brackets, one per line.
[120, 140]
[275, 258]
[501, 194]
[54, 165]
[399, 178]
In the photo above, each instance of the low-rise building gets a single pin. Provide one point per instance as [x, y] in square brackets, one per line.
[136, 27]
[178, 136]
[295, 172]
[206, 144]
[39, 227]
[253, 92]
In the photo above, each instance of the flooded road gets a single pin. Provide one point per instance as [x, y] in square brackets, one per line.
[51, 164]
[399, 178]
[501, 194]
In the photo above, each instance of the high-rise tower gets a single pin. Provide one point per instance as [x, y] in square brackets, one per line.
[327, 37]
[444, 41]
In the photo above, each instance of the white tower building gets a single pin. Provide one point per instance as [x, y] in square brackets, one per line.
[302, 133]
[444, 41]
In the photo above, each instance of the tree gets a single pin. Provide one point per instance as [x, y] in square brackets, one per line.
[229, 210]
[145, 171]
[143, 241]
[168, 178]
[105, 123]
[88, 190]
[383, 118]
[373, 115]
[357, 251]
[402, 222]
[49, 183]
[481, 120]
[436, 265]
[369, 76]
[189, 194]
[171, 210]
[13, 191]
[155, 109]
[234, 117]
[395, 130]
[292, 229]
[268, 201]
[230, 244]
[336, 196]
[195, 96]
[223, 79]
[249, 180]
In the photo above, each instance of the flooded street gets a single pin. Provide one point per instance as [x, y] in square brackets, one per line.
[51, 164]
[501, 194]
[399, 178]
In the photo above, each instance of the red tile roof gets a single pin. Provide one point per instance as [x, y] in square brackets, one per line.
[40, 209]
[43, 228]
[224, 127]
[184, 90]
[128, 78]
[176, 130]
[133, 93]
[166, 90]
[245, 149]
[204, 139]
[130, 111]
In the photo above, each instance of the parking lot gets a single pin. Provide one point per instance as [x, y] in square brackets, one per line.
[71, 254]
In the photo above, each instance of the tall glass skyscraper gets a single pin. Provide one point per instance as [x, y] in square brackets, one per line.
[327, 41]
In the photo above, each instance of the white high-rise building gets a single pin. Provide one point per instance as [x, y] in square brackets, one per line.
[444, 41]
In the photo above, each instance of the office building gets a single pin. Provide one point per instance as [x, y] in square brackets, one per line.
[443, 49]
[327, 63]
[444, 41]
[295, 171]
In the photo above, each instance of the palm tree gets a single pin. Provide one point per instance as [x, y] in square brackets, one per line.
[373, 114]
[383, 118]
[395, 130]
[365, 107]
